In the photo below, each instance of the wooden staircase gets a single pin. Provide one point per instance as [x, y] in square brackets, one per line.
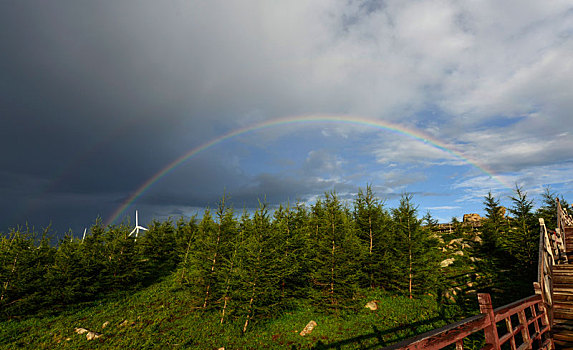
[563, 296]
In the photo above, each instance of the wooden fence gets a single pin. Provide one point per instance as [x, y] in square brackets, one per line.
[531, 330]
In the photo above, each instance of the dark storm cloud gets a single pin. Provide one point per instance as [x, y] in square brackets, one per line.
[97, 97]
[85, 110]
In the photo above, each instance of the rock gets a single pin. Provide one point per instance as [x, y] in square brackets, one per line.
[308, 329]
[372, 305]
[449, 297]
[81, 330]
[93, 335]
[126, 323]
[447, 262]
[104, 324]
[221, 348]
[459, 252]
[472, 218]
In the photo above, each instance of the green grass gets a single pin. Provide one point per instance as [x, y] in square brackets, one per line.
[163, 317]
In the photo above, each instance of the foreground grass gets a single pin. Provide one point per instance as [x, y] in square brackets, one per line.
[163, 317]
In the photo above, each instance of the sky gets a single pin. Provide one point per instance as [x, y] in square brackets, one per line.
[111, 106]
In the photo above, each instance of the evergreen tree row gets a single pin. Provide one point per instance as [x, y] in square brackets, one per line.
[250, 266]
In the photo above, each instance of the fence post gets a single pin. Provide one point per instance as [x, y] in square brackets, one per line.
[485, 307]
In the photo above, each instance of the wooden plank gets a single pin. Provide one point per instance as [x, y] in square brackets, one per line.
[547, 344]
[524, 328]
[509, 333]
[444, 336]
[486, 308]
[559, 304]
[511, 309]
[536, 318]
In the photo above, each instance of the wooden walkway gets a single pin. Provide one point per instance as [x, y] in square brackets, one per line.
[562, 280]
[544, 320]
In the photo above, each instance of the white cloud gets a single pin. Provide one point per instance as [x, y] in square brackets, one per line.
[405, 150]
[443, 207]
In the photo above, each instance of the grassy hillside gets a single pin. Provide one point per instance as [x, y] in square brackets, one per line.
[163, 316]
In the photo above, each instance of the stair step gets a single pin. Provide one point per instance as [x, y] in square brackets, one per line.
[563, 297]
[568, 337]
[563, 305]
[563, 328]
[563, 266]
[559, 289]
[563, 345]
[562, 315]
[559, 324]
[563, 308]
[562, 273]
[562, 280]
[565, 282]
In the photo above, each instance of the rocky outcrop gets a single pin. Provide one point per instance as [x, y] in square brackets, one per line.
[472, 218]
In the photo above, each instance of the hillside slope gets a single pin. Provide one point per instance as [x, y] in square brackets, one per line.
[163, 316]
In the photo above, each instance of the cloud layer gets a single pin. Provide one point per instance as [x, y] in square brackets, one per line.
[96, 98]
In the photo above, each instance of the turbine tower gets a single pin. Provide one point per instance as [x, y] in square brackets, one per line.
[137, 227]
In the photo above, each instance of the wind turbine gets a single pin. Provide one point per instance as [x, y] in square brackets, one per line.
[137, 227]
[84, 237]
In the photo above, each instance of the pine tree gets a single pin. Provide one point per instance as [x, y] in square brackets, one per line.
[186, 236]
[198, 263]
[290, 246]
[490, 257]
[24, 277]
[338, 253]
[231, 274]
[522, 240]
[66, 277]
[261, 268]
[159, 246]
[416, 251]
[372, 224]
[548, 210]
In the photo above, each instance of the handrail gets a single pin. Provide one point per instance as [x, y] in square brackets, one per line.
[546, 262]
[487, 321]
[563, 218]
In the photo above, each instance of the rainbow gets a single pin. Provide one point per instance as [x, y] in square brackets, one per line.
[344, 119]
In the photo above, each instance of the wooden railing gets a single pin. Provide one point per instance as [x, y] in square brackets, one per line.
[563, 220]
[529, 311]
[535, 310]
[551, 253]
